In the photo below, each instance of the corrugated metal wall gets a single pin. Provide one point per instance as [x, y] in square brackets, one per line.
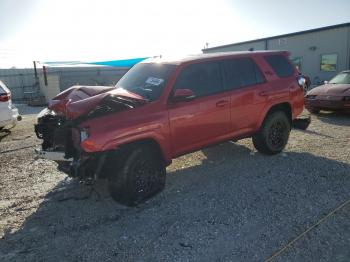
[308, 47]
[21, 82]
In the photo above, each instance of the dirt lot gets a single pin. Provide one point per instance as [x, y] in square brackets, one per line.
[224, 203]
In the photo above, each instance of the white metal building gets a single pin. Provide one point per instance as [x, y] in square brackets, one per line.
[319, 53]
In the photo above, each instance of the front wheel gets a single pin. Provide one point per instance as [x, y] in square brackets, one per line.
[140, 175]
[273, 134]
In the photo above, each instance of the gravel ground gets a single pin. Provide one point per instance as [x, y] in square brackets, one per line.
[224, 203]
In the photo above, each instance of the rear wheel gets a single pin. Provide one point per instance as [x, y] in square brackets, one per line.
[140, 175]
[274, 133]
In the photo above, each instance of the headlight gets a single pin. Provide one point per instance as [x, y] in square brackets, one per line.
[311, 96]
[346, 98]
[84, 134]
[45, 112]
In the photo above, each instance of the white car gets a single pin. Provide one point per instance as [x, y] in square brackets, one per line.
[8, 113]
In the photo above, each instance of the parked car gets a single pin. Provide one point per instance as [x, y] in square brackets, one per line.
[332, 95]
[8, 112]
[164, 108]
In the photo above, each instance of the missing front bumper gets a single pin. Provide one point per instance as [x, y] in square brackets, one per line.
[52, 155]
[85, 168]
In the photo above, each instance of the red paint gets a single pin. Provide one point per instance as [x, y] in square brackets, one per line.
[184, 126]
[79, 100]
[330, 96]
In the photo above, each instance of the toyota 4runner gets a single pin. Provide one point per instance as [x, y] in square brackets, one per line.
[163, 108]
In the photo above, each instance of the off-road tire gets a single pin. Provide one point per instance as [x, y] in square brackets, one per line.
[273, 134]
[140, 174]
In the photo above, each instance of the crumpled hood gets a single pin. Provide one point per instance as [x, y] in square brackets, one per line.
[331, 89]
[80, 100]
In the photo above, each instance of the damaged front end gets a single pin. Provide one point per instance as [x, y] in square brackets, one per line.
[63, 131]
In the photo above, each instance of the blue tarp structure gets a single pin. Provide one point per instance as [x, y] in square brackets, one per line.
[115, 63]
[119, 63]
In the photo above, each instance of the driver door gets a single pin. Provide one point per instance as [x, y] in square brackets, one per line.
[206, 118]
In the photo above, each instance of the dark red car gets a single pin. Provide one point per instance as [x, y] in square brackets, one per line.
[333, 95]
[163, 108]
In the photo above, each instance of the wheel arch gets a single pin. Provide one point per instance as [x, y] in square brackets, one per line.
[147, 142]
[284, 106]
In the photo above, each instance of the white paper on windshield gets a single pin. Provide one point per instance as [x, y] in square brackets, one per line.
[154, 81]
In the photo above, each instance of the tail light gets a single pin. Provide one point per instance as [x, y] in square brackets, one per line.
[5, 97]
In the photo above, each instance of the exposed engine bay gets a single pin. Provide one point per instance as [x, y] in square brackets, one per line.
[59, 126]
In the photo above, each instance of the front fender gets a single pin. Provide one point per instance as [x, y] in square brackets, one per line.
[156, 137]
[108, 142]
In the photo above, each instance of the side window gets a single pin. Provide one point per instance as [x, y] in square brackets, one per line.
[241, 72]
[280, 65]
[203, 79]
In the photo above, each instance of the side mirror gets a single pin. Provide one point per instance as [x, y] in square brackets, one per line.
[183, 95]
[325, 82]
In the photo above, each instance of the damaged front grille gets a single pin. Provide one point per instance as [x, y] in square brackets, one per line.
[56, 133]
[62, 133]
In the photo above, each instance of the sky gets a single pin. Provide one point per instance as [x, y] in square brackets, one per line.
[99, 30]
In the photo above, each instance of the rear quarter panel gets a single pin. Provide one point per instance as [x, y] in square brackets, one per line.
[283, 90]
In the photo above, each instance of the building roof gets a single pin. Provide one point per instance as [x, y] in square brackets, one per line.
[280, 36]
[183, 59]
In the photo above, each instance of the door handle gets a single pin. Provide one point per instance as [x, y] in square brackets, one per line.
[221, 103]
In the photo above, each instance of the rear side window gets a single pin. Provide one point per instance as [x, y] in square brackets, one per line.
[241, 72]
[280, 65]
[203, 79]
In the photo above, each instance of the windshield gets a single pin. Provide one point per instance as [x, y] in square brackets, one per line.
[146, 79]
[342, 78]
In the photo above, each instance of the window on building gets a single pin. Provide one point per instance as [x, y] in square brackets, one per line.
[297, 61]
[203, 79]
[280, 65]
[241, 72]
[329, 62]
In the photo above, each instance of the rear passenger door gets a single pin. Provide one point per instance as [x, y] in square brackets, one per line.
[247, 85]
[206, 118]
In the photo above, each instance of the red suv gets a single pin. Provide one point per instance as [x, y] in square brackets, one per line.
[164, 108]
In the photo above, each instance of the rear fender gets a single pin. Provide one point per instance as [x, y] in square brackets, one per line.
[284, 106]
